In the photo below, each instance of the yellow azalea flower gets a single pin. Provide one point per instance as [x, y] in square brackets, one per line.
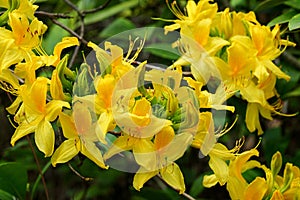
[134, 117]
[26, 35]
[113, 62]
[80, 133]
[232, 173]
[268, 48]
[158, 158]
[195, 13]
[113, 66]
[36, 115]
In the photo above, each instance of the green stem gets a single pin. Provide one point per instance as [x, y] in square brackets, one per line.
[46, 167]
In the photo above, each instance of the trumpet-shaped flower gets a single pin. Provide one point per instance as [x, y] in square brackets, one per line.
[25, 34]
[232, 173]
[81, 137]
[36, 115]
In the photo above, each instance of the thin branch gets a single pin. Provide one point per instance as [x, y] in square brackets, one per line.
[70, 31]
[38, 166]
[73, 6]
[53, 15]
[96, 9]
[78, 174]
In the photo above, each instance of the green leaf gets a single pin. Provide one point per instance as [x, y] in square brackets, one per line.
[110, 11]
[163, 50]
[294, 93]
[55, 35]
[284, 18]
[274, 136]
[268, 4]
[294, 23]
[6, 196]
[117, 26]
[197, 186]
[13, 179]
[236, 3]
[293, 3]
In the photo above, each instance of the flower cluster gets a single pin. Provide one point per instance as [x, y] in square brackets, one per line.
[235, 48]
[117, 110]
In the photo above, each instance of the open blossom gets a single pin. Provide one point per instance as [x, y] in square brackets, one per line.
[35, 115]
[80, 133]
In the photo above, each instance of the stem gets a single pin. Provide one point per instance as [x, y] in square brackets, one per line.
[39, 167]
[69, 30]
[46, 167]
[78, 174]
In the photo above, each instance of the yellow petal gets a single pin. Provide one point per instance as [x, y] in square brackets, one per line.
[65, 152]
[220, 168]
[14, 106]
[236, 188]
[105, 123]
[277, 195]
[164, 137]
[68, 126]
[176, 148]
[141, 177]
[56, 88]
[256, 189]
[65, 43]
[272, 67]
[252, 118]
[122, 143]
[144, 154]
[90, 150]
[44, 137]
[141, 112]
[24, 129]
[36, 98]
[210, 180]
[54, 108]
[173, 176]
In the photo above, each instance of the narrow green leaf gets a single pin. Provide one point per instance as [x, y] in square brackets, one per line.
[110, 11]
[117, 26]
[294, 93]
[284, 18]
[293, 3]
[6, 196]
[13, 179]
[197, 186]
[268, 4]
[294, 22]
[163, 50]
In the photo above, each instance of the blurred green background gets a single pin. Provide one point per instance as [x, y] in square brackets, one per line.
[281, 134]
